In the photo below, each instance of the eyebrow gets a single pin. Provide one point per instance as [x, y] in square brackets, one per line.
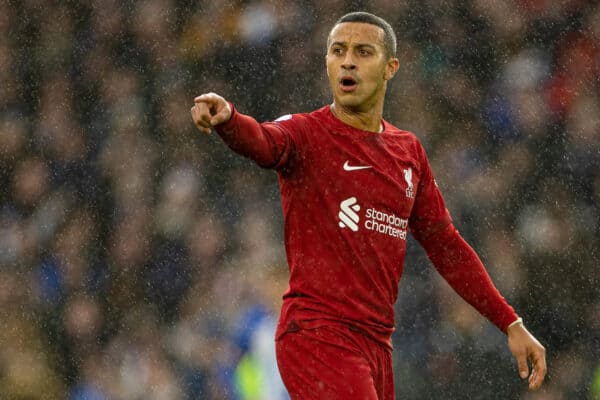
[343, 44]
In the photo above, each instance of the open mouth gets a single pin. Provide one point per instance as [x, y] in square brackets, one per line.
[348, 84]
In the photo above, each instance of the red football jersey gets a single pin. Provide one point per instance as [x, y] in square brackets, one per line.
[349, 197]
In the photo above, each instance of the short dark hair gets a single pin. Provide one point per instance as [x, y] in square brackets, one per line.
[389, 36]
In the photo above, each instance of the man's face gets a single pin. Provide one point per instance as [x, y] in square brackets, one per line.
[357, 65]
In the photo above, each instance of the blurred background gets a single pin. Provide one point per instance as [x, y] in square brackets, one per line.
[140, 259]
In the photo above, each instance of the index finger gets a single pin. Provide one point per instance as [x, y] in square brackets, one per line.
[210, 97]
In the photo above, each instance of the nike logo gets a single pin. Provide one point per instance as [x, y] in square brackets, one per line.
[348, 167]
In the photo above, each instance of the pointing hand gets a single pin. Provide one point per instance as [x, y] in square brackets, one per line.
[209, 110]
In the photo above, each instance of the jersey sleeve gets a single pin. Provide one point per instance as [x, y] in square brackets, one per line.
[460, 266]
[270, 144]
[451, 255]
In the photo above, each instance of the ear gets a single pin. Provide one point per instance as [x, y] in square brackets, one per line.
[391, 67]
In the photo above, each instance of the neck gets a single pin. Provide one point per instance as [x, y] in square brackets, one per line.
[367, 120]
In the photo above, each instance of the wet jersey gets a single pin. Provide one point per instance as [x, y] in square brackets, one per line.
[349, 197]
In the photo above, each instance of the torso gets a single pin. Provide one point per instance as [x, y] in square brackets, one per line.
[347, 200]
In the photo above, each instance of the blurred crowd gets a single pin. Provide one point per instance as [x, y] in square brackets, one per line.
[140, 259]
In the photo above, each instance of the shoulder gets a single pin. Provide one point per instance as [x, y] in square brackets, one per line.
[302, 117]
[404, 137]
[301, 123]
[400, 133]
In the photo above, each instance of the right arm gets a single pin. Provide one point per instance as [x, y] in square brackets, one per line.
[267, 144]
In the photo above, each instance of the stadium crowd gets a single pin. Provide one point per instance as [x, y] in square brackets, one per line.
[142, 260]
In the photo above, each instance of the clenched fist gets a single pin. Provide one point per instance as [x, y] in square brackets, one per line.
[209, 110]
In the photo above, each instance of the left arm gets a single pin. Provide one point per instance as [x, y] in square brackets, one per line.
[460, 266]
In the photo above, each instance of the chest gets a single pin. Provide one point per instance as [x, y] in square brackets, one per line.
[378, 171]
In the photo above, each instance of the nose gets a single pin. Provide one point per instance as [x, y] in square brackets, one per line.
[348, 63]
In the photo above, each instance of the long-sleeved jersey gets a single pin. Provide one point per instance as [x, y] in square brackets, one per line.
[349, 197]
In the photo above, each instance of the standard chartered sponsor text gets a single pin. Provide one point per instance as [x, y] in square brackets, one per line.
[388, 224]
